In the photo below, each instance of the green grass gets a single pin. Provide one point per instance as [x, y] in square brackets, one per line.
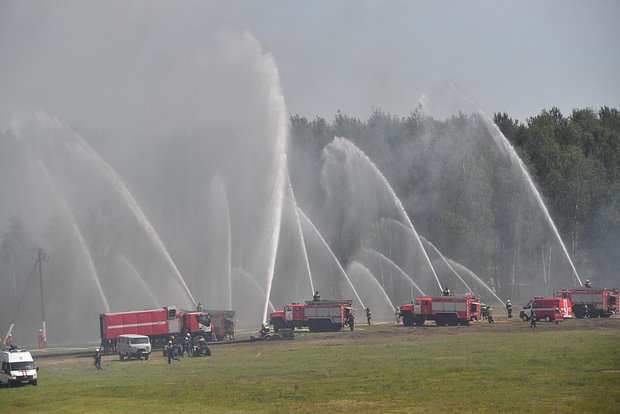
[382, 370]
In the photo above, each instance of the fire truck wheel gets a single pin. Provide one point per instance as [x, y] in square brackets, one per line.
[548, 318]
[407, 319]
[525, 318]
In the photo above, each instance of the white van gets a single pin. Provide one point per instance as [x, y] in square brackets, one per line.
[133, 346]
[17, 368]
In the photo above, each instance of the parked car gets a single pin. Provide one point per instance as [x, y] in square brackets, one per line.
[133, 346]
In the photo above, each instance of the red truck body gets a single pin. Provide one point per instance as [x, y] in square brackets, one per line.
[588, 302]
[316, 315]
[444, 310]
[157, 324]
[548, 309]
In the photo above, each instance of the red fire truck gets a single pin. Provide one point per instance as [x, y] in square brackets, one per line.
[589, 302]
[444, 310]
[549, 309]
[158, 324]
[316, 315]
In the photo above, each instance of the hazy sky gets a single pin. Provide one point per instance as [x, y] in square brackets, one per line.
[513, 56]
[348, 55]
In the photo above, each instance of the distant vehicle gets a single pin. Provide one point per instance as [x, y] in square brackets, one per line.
[133, 346]
[444, 310]
[317, 315]
[17, 368]
[588, 302]
[158, 324]
[548, 309]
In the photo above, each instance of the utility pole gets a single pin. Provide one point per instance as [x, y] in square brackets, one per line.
[42, 256]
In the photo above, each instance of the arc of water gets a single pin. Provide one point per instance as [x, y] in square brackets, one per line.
[475, 276]
[249, 277]
[78, 234]
[446, 262]
[229, 247]
[395, 266]
[83, 148]
[399, 204]
[277, 111]
[139, 277]
[301, 232]
[373, 280]
[316, 231]
[76, 144]
[503, 142]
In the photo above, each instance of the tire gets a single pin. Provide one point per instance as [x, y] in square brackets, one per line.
[548, 318]
[278, 324]
[525, 318]
[579, 312]
[408, 319]
[146, 357]
[313, 326]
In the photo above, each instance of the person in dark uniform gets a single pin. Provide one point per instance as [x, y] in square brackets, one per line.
[351, 321]
[368, 314]
[509, 308]
[533, 320]
[316, 296]
[98, 359]
[490, 314]
[170, 352]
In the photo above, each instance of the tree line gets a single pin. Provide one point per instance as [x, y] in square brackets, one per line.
[461, 195]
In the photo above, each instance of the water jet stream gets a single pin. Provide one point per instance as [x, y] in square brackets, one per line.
[78, 233]
[301, 232]
[350, 147]
[316, 231]
[503, 143]
[395, 266]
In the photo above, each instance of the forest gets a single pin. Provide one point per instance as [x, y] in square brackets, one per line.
[573, 160]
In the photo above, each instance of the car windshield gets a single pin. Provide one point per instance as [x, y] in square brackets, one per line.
[140, 341]
[20, 366]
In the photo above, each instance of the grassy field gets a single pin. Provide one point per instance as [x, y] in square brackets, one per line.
[571, 367]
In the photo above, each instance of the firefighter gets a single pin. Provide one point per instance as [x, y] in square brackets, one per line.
[446, 292]
[171, 354]
[397, 314]
[533, 320]
[263, 331]
[509, 308]
[588, 284]
[98, 359]
[368, 314]
[187, 345]
[199, 307]
[484, 310]
[351, 321]
[41, 338]
[316, 296]
[490, 314]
